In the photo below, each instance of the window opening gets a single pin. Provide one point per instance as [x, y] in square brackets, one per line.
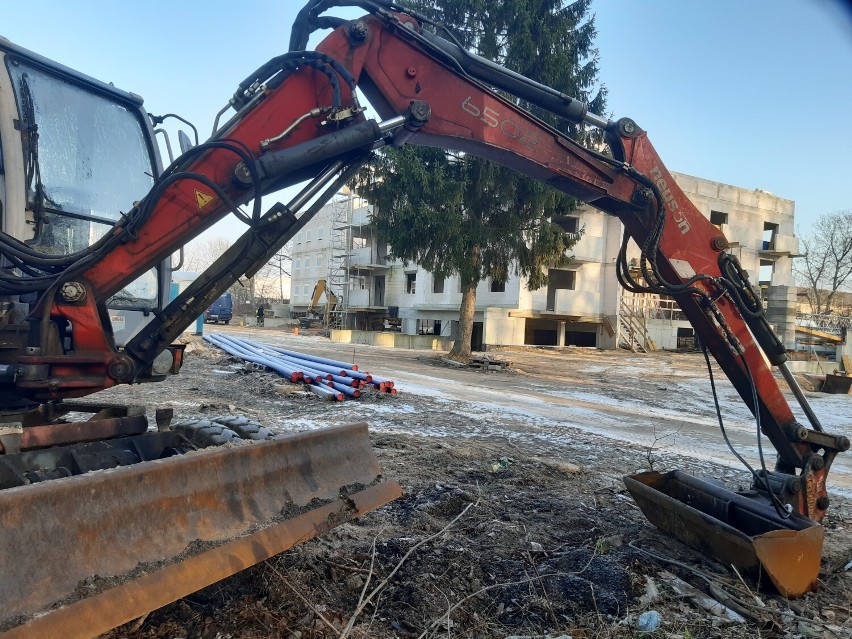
[770, 230]
[437, 284]
[568, 223]
[717, 219]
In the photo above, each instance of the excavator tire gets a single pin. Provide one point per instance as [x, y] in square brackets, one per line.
[244, 427]
[204, 432]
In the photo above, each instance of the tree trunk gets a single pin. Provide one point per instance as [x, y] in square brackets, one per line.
[461, 348]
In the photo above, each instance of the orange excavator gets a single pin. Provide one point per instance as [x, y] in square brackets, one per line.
[104, 518]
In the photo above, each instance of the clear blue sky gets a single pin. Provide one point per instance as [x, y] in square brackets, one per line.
[755, 93]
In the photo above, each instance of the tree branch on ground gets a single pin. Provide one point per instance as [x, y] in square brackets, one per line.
[504, 584]
[378, 589]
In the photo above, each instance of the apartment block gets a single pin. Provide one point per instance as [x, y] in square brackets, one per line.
[583, 305]
[339, 246]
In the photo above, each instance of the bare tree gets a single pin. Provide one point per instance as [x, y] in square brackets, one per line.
[826, 264]
[280, 263]
[202, 252]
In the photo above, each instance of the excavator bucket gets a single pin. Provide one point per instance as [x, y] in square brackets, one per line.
[837, 384]
[733, 529]
[85, 554]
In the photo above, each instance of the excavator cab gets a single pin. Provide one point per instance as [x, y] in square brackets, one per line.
[77, 154]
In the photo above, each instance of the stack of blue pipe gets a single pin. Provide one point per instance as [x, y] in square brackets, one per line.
[329, 379]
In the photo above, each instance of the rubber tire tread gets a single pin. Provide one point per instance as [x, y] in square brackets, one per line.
[204, 432]
[244, 427]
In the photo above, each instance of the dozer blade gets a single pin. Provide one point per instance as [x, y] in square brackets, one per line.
[732, 528]
[82, 555]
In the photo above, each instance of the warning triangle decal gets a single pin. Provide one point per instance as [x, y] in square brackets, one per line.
[203, 199]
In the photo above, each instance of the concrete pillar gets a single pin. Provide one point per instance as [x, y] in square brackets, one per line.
[781, 313]
[560, 333]
[409, 326]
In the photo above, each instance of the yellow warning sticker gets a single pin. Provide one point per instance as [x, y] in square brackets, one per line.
[203, 199]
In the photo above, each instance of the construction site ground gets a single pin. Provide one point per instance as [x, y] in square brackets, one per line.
[515, 521]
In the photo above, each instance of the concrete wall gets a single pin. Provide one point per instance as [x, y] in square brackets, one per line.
[392, 340]
[502, 330]
[664, 332]
[813, 367]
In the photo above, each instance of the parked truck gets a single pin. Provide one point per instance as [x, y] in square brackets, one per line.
[222, 310]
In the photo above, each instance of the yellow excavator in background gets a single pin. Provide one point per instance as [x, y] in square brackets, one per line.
[331, 301]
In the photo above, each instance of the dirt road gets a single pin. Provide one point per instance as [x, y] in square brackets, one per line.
[661, 400]
[515, 521]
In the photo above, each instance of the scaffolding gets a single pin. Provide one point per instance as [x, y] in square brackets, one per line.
[342, 206]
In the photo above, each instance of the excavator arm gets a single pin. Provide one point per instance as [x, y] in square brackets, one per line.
[320, 289]
[298, 118]
[455, 94]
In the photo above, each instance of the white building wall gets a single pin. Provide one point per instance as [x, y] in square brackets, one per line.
[304, 272]
[747, 211]
[317, 253]
[596, 294]
[501, 329]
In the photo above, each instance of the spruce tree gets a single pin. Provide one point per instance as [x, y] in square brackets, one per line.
[456, 214]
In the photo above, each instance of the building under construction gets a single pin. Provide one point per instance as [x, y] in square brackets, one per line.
[583, 305]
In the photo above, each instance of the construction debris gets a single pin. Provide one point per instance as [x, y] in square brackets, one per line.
[482, 362]
[327, 378]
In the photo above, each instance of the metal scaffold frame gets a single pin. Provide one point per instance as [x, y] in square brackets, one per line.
[338, 263]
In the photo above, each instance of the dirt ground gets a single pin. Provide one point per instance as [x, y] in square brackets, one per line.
[515, 521]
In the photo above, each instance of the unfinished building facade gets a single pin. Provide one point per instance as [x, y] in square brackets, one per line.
[583, 305]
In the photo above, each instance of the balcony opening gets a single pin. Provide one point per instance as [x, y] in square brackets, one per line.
[770, 230]
[410, 282]
[559, 280]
